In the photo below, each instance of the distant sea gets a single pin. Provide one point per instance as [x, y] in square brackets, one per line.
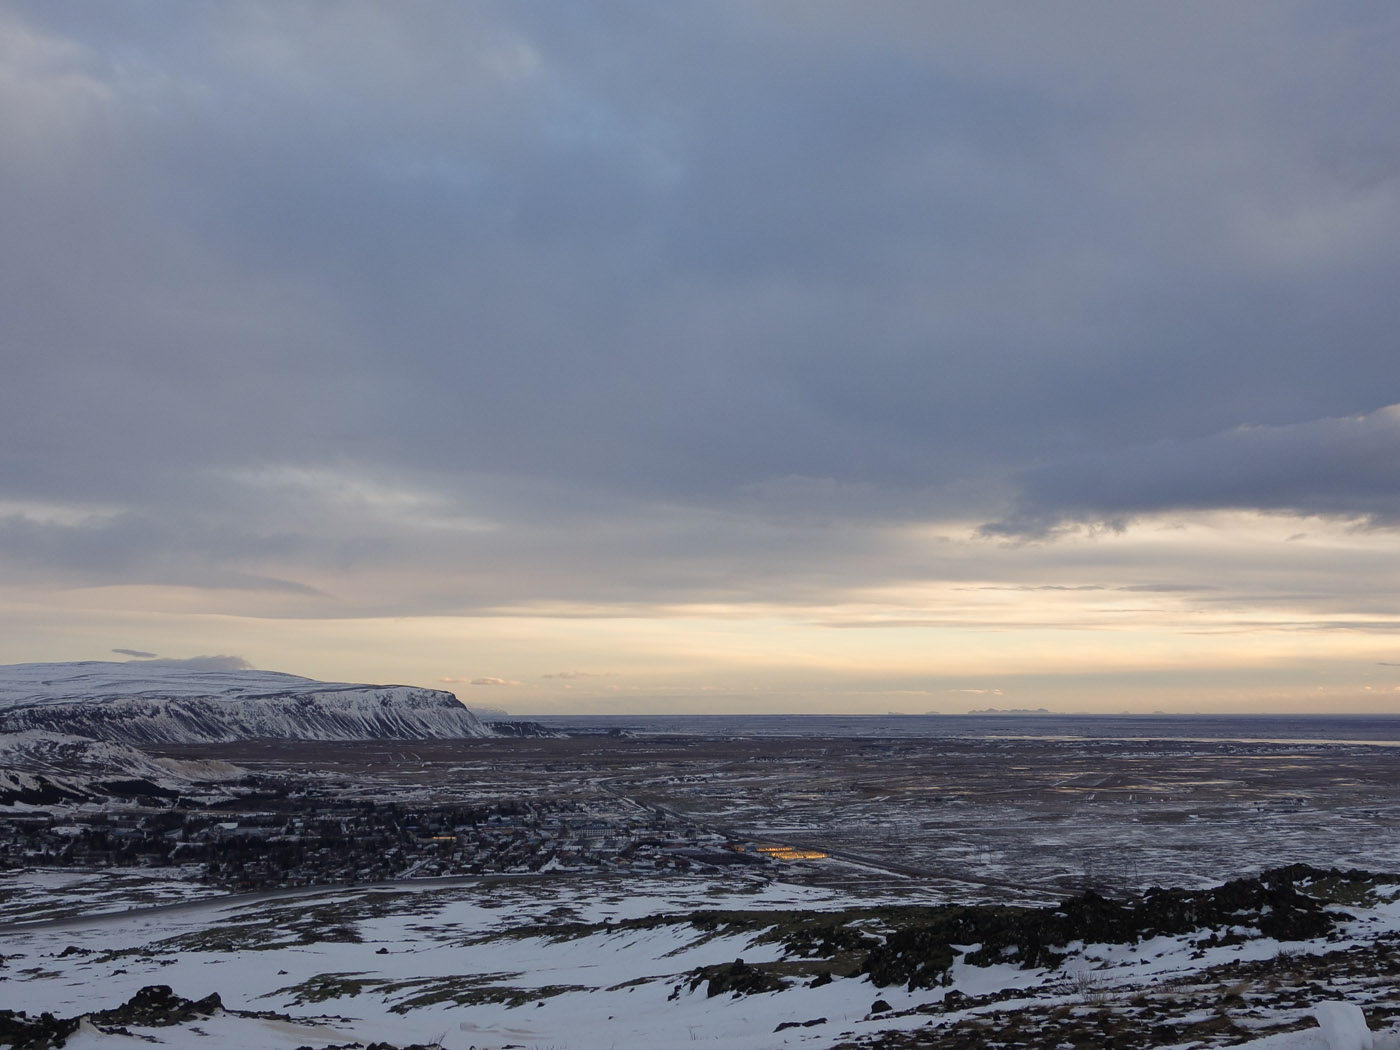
[1332, 729]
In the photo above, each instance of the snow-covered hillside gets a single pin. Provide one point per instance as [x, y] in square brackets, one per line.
[149, 702]
[42, 768]
[39, 751]
[731, 964]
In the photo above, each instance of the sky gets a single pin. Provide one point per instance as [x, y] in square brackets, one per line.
[736, 355]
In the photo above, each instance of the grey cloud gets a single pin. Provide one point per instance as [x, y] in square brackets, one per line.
[1045, 587]
[944, 622]
[1169, 588]
[811, 293]
[1154, 588]
[349, 547]
[136, 548]
[695, 302]
[1360, 626]
[1345, 468]
[138, 653]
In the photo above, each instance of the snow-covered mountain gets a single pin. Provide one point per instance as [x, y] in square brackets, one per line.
[151, 702]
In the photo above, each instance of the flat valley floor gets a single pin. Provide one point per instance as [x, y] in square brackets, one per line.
[987, 818]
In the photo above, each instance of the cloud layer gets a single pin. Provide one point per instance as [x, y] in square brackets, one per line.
[1339, 468]
[371, 311]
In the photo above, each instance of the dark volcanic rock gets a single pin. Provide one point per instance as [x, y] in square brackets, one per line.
[785, 1025]
[157, 1006]
[737, 977]
[920, 955]
[35, 1033]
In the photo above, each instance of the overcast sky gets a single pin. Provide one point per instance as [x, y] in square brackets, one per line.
[765, 354]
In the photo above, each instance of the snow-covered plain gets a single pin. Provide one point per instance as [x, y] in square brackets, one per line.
[554, 962]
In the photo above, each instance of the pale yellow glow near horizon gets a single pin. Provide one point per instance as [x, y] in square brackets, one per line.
[1217, 612]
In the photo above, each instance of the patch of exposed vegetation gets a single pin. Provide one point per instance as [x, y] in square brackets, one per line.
[320, 924]
[1354, 888]
[471, 991]
[326, 986]
[242, 937]
[458, 990]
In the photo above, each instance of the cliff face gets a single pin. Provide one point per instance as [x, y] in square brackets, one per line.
[145, 703]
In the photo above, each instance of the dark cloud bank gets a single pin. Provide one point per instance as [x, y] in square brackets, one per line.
[683, 300]
[1344, 468]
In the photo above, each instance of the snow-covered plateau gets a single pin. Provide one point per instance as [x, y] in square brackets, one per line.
[145, 702]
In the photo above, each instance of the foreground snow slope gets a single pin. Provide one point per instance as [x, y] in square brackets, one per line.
[149, 702]
[593, 964]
